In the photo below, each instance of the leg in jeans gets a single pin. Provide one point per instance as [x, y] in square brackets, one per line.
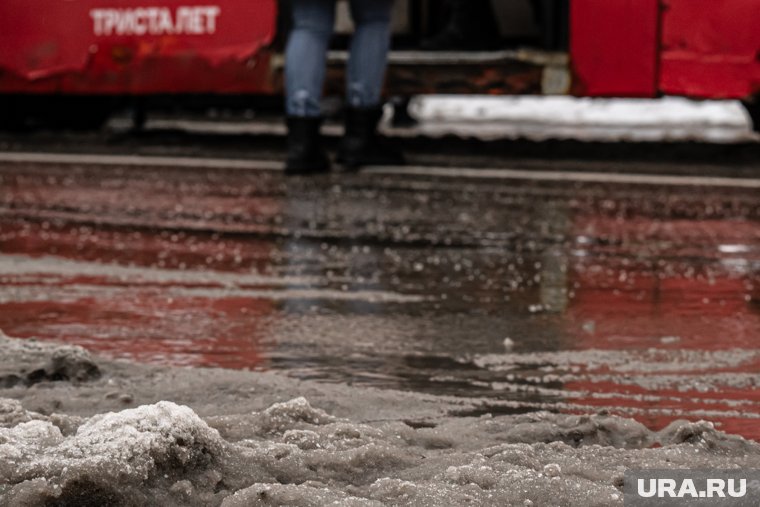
[306, 56]
[366, 72]
[305, 67]
[369, 52]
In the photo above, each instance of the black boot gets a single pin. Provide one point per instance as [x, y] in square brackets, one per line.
[305, 152]
[472, 27]
[362, 146]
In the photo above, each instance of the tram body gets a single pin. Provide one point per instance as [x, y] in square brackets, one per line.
[647, 48]
[141, 48]
[135, 47]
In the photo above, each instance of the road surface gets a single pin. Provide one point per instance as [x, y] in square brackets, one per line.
[525, 288]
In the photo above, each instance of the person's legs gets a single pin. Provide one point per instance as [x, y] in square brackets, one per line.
[305, 68]
[369, 52]
[364, 85]
[306, 55]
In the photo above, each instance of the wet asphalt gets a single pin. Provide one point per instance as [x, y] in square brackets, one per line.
[574, 294]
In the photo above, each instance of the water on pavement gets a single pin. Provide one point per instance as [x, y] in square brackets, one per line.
[640, 300]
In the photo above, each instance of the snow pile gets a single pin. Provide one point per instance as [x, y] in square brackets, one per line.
[114, 459]
[294, 454]
[282, 417]
[582, 111]
[608, 120]
[12, 414]
[304, 495]
[36, 362]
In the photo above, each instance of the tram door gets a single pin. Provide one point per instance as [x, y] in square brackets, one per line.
[710, 48]
[647, 48]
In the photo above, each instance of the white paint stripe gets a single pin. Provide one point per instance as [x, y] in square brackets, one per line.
[77, 292]
[37, 278]
[21, 265]
[139, 160]
[567, 176]
[441, 172]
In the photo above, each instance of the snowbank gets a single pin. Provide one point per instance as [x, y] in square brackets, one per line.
[610, 120]
[34, 362]
[239, 446]
[294, 454]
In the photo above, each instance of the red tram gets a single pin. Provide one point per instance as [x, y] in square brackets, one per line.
[58, 55]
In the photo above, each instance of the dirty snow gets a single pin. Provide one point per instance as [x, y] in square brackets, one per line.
[251, 439]
[542, 118]
[295, 454]
[35, 362]
[535, 118]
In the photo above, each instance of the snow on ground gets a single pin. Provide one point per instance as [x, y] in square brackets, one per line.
[290, 452]
[542, 118]
[295, 454]
[535, 118]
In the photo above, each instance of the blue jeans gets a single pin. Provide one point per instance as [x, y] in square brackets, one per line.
[306, 54]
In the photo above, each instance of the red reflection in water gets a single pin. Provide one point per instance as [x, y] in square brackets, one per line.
[615, 306]
[704, 315]
[131, 317]
[161, 249]
[640, 306]
[150, 328]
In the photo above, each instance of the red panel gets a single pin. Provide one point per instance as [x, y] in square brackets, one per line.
[614, 46]
[134, 46]
[711, 48]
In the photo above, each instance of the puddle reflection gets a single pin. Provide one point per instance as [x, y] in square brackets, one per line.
[644, 304]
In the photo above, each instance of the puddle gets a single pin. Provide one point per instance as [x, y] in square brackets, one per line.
[640, 302]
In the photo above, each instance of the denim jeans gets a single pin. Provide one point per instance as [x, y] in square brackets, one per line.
[306, 54]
